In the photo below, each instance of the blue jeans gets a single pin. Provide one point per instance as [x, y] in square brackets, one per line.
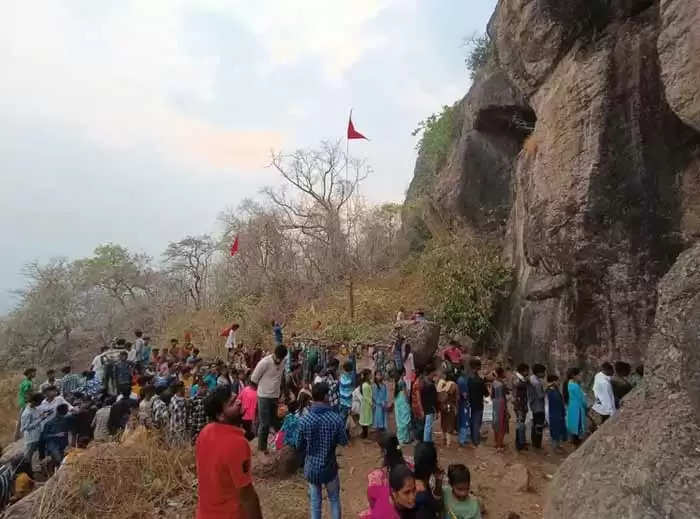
[475, 425]
[316, 498]
[428, 429]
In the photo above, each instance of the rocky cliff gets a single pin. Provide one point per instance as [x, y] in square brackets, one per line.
[579, 149]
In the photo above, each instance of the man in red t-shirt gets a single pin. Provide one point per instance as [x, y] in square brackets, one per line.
[223, 462]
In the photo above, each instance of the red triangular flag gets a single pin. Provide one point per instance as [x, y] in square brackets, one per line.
[352, 132]
[234, 246]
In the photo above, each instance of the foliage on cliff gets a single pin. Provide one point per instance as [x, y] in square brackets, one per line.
[465, 282]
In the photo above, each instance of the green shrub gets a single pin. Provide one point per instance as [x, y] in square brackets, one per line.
[479, 51]
[465, 284]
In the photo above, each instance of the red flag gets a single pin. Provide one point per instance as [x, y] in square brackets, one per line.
[352, 132]
[234, 246]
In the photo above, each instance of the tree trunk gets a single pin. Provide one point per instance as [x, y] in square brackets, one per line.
[350, 289]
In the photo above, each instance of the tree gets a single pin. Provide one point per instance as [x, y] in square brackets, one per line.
[114, 269]
[188, 261]
[318, 211]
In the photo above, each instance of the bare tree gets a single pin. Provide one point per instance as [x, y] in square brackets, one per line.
[322, 184]
[189, 260]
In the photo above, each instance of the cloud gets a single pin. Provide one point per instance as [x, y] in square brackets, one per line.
[118, 77]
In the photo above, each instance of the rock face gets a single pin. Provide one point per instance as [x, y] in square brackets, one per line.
[581, 152]
[644, 462]
[679, 50]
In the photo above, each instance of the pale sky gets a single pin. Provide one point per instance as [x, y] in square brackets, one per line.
[137, 122]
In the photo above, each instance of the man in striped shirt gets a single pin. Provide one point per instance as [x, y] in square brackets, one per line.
[70, 382]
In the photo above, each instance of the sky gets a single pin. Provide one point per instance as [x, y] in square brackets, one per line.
[138, 122]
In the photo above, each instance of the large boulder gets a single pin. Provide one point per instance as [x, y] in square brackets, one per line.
[423, 336]
[644, 462]
[13, 452]
[679, 50]
[276, 464]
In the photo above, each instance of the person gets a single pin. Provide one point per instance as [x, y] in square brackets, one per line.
[174, 351]
[409, 367]
[620, 383]
[30, 426]
[575, 402]
[146, 351]
[224, 379]
[453, 353]
[25, 389]
[557, 412]
[428, 397]
[223, 460]
[500, 408]
[401, 314]
[477, 393]
[231, 340]
[417, 407]
[366, 417]
[91, 386]
[70, 382]
[402, 485]
[98, 364]
[320, 432]
[159, 409]
[428, 498]
[196, 413]
[345, 388]
[379, 357]
[138, 346]
[51, 401]
[535, 397]
[50, 380]
[249, 408]
[145, 406]
[458, 502]
[604, 405]
[54, 435]
[402, 410]
[463, 415]
[277, 332]
[331, 379]
[82, 418]
[448, 406]
[100, 423]
[378, 488]
[520, 391]
[193, 359]
[123, 373]
[380, 403]
[210, 379]
[120, 412]
[267, 376]
[177, 424]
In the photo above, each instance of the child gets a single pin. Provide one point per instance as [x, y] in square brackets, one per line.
[458, 503]
[380, 402]
[557, 412]
[366, 407]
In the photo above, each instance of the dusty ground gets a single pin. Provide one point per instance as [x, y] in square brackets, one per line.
[287, 499]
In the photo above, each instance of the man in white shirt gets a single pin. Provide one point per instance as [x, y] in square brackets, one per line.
[268, 376]
[602, 390]
[138, 347]
[47, 409]
[231, 340]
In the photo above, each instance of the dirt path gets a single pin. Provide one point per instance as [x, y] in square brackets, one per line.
[490, 480]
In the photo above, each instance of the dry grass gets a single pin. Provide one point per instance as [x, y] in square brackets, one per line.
[9, 384]
[137, 478]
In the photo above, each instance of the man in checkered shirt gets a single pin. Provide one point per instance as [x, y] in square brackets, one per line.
[320, 432]
[177, 426]
[331, 379]
[196, 413]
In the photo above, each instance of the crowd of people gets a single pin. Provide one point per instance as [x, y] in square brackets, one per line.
[313, 398]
